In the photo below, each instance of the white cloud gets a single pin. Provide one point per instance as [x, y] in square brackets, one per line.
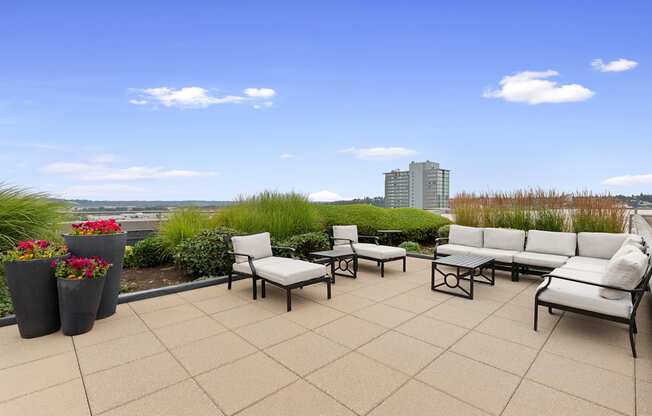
[266, 104]
[198, 97]
[259, 92]
[379, 152]
[287, 156]
[326, 196]
[619, 65]
[629, 180]
[93, 172]
[105, 158]
[533, 88]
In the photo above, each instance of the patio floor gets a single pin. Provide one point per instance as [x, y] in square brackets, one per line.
[379, 347]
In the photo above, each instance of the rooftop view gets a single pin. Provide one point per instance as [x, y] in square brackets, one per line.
[339, 208]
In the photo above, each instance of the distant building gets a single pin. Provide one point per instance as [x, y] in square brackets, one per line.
[425, 185]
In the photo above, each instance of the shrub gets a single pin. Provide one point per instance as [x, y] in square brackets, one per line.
[26, 215]
[417, 225]
[183, 224]
[307, 243]
[444, 231]
[6, 307]
[205, 254]
[410, 246]
[283, 215]
[150, 252]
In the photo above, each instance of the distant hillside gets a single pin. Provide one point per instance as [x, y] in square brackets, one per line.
[88, 205]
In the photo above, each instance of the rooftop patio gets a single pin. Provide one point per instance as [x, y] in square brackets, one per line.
[379, 347]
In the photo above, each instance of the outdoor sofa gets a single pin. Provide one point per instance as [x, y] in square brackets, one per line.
[603, 275]
[254, 258]
[346, 237]
[610, 289]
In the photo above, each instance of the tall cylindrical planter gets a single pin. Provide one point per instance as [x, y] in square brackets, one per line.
[110, 247]
[79, 301]
[33, 289]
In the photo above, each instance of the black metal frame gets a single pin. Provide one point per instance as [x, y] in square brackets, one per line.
[379, 262]
[288, 288]
[350, 261]
[469, 275]
[636, 296]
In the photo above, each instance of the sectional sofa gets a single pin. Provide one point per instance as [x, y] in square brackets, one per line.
[602, 275]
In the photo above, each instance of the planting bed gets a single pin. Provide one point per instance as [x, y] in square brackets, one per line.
[136, 279]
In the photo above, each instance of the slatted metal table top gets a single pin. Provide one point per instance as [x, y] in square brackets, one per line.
[468, 261]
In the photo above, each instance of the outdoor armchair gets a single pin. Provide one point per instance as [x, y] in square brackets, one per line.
[254, 257]
[346, 236]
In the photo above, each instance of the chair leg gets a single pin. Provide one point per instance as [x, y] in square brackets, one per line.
[550, 310]
[328, 288]
[515, 272]
[536, 316]
[262, 288]
[382, 269]
[230, 279]
[288, 294]
[404, 259]
[254, 288]
[631, 339]
[635, 327]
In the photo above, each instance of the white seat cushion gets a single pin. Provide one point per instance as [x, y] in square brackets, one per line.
[465, 236]
[583, 296]
[626, 272]
[451, 249]
[504, 239]
[540, 259]
[549, 242]
[584, 275]
[503, 256]
[587, 263]
[349, 232]
[283, 270]
[256, 245]
[599, 245]
[378, 252]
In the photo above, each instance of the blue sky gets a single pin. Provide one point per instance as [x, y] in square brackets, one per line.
[208, 100]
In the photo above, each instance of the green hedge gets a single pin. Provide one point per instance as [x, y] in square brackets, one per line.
[303, 244]
[417, 225]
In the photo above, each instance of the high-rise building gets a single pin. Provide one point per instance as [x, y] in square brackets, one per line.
[425, 185]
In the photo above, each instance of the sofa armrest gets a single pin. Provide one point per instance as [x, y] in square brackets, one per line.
[632, 291]
[370, 237]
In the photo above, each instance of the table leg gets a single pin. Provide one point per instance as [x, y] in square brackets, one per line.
[333, 271]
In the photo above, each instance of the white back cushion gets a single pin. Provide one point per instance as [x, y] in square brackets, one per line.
[550, 242]
[350, 232]
[504, 239]
[258, 246]
[624, 271]
[599, 245]
[634, 241]
[465, 236]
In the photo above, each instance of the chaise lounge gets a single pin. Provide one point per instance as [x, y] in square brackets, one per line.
[346, 236]
[254, 258]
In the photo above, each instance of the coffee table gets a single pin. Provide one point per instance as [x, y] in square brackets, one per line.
[468, 267]
[343, 262]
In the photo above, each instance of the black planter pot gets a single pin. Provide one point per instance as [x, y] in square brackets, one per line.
[109, 247]
[33, 289]
[79, 301]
